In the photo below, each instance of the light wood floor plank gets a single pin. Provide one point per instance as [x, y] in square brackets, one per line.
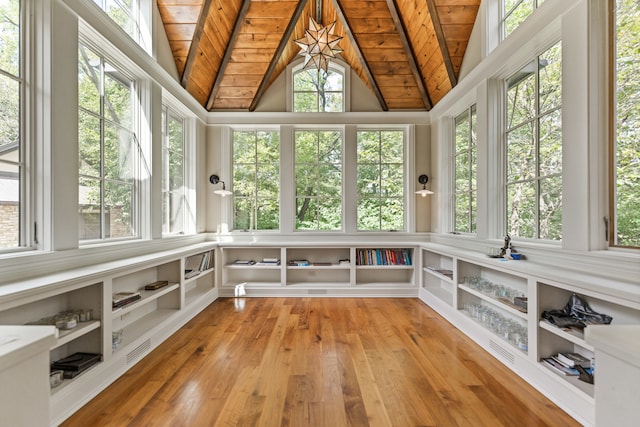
[319, 362]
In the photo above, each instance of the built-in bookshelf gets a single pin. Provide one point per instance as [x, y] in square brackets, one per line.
[500, 303]
[319, 270]
[102, 338]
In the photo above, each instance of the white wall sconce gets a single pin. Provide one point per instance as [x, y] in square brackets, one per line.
[423, 179]
[215, 179]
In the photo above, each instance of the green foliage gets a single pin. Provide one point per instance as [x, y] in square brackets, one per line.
[317, 91]
[318, 167]
[465, 172]
[10, 64]
[534, 148]
[109, 154]
[380, 169]
[627, 124]
[256, 179]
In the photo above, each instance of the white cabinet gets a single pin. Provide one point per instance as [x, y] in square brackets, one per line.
[120, 335]
[322, 269]
[499, 304]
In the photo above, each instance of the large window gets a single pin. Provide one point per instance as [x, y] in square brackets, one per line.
[174, 201]
[380, 171]
[318, 179]
[317, 91]
[534, 148]
[625, 167]
[465, 159]
[125, 13]
[256, 180]
[12, 166]
[109, 155]
[514, 12]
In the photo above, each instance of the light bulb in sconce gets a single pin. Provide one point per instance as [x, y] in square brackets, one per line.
[423, 179]
[215, 179]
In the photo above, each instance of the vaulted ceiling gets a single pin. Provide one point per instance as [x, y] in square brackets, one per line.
[408, 52]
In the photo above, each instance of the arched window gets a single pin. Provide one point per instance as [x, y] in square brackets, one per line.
[316, 91]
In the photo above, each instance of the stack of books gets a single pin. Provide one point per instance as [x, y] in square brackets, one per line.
[76, 363]
[299, 263]
[244, 262]
[269, 261]
[121, 299]
[566, 363]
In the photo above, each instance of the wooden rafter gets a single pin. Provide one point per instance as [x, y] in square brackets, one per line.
[242, 13]
[264, 84]
[411, 57]
[437, 26]
[195, 43]
[365, 66]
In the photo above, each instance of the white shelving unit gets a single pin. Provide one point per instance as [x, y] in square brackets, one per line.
[328, 270]
[144, 323]
[476, 294]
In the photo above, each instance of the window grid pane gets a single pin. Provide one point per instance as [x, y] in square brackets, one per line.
[465, 172]
[380, 170]
[174, 206]
[315, 91]
[625, 180]
[256, 180]
[109, 153]
[533, 141]
[318, 168]
[11, 162]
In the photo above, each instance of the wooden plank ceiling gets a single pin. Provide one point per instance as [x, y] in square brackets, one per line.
[408, 52]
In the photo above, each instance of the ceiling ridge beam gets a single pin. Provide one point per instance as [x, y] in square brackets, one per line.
[276, 56]
[242, 13]
[444, 49]
[408, 50]
[365, 65]
[195, 43]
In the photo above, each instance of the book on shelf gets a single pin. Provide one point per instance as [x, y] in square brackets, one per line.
[269, 261]
[120, 299]
[344, 262]
[443, 271]
[244, 262]
[205, 262]
[299, 263]
[156, 285]
[322, 264]
[383, 256]
[76, 363]
[560, 368]
[573, 359]
[188, 274]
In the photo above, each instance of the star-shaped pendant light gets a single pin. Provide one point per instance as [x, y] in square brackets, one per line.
[319, 45]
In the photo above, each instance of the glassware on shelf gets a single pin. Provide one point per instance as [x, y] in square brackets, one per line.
[492, 289]
[506, 328]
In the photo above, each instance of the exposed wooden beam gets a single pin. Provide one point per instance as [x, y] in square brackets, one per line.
[264, 84]
[242, 13]
[195, 42]
[365, 66]
[437, 26]
[411, 57]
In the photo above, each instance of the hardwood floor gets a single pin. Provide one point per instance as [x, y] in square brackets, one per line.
[319, 362]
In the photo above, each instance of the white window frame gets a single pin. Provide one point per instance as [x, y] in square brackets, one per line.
[505, 14]
[505, 152]
[141, 18]
[27, 236]
[471, 192]
[141, 210]
[335, 65]
[405, 137]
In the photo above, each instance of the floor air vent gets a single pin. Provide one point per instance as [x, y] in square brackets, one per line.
[138, 351]
[506, 355]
